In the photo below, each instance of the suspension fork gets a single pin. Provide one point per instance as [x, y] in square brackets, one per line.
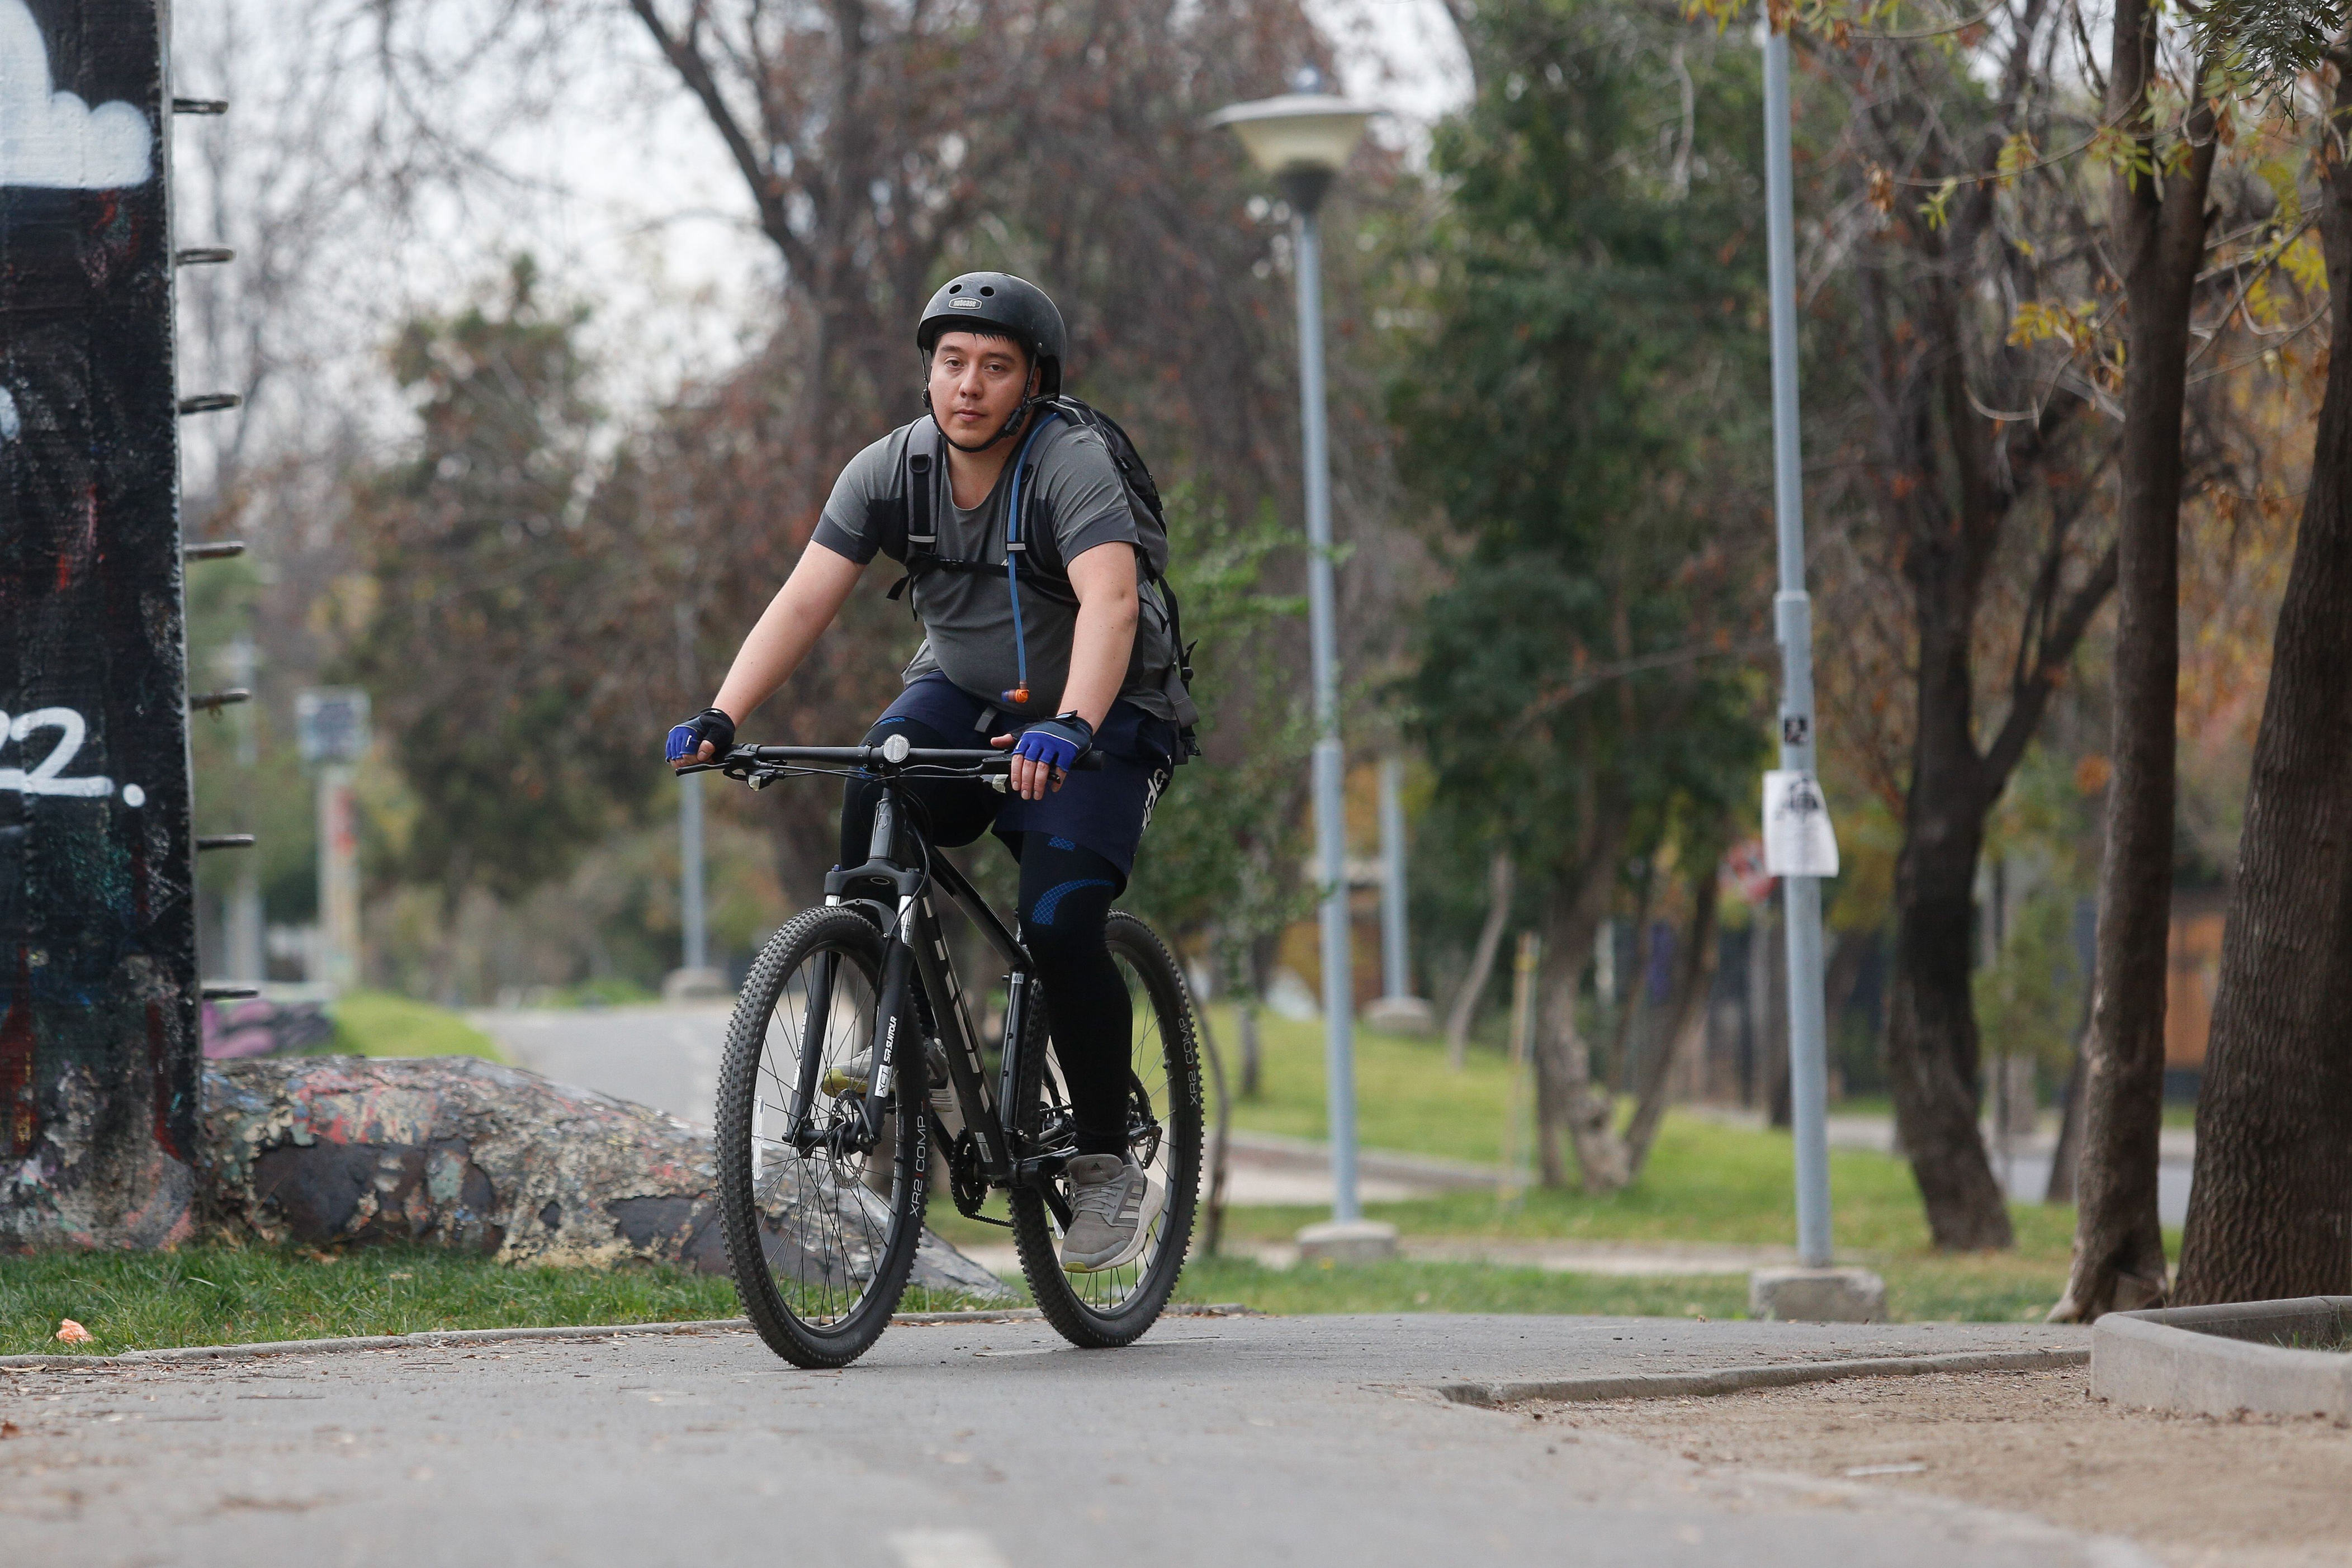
[814, 1029]
[898, 960]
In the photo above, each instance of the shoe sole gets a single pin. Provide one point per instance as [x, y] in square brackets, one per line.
[1154, 1199]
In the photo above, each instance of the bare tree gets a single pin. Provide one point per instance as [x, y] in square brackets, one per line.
[1975, 505]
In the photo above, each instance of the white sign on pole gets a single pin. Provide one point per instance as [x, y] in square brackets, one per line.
[330, 724]
[1798, 840]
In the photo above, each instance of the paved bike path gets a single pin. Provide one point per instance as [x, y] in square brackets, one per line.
[1223, 1442]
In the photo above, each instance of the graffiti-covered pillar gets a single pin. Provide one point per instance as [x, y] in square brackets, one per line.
[98, 1047]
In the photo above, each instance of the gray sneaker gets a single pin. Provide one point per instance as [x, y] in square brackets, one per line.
[1112, 1206]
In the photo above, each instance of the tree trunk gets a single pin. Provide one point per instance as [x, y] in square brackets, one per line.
[2270, 1210]
[1586, 1113]
[1212, 1225]
[1931, 1024]
[1632, 998]
[1685, 1024]
[2066, 1159]
[1756, 1007]
[1569, 1108]
[1260, 958]
[2158, 232]
[1846, 959]
[1465, 1010]
[1780, 1108]
[1245, 1024]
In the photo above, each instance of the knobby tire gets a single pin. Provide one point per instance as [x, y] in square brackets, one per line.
[752, 1164]
[1104, 1311]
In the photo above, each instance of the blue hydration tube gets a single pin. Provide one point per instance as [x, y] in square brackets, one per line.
[1019, 695]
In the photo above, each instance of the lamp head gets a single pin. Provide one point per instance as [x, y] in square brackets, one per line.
[1302, 138]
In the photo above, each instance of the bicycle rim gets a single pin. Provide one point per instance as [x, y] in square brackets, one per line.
[820, 1239]
[1114, 1306]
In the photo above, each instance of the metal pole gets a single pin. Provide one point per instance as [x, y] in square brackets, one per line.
[1331, 817]
[339, 880]
[249, 960]
[1792, 620]
[1396, 970]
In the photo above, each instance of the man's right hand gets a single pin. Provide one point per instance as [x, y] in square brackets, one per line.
[706, 737]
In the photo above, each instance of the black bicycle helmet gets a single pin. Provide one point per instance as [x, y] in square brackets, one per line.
[1001, 302]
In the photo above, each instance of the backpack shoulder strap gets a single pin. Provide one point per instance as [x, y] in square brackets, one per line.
[909, 533]
[1040, 546]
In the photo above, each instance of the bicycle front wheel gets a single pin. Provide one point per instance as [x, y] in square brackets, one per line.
[1114, 1306]
[820, 1234]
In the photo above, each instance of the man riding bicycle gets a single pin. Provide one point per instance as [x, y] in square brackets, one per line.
[1052, 664]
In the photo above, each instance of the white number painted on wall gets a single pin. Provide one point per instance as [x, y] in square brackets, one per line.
[47, 776]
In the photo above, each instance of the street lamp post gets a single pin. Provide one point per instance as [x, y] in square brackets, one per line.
[1303, 140]
[1797, 844]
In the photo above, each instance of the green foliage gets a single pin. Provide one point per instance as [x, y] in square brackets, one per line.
[1217, 855]
[2269, 43]
[249, 777]
[1572, 414]
[2027, 1003]
[490, 576]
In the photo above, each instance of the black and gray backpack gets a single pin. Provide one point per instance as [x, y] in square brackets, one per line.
[905, 530]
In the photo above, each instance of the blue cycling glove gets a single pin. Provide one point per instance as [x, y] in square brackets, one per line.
[711, 724]
[1057, 742]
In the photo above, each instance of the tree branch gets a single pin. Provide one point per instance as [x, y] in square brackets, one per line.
[2033, 694]
[684, 55]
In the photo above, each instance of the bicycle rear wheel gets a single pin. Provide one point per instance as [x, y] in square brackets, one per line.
[1114, 1306]
[820, 1237]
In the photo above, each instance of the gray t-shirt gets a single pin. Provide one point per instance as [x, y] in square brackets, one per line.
[968, 616]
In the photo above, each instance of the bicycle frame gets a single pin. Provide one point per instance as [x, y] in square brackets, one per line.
[916, 952]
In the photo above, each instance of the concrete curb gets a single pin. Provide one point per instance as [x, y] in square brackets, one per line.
[1773, 1375]
[433, 1338]
[2218, 1359]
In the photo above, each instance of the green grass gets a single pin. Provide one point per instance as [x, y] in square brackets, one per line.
[1705, 1182]
[613, 991]
[379, 1023]
[225, 1295]
[1406, 1098]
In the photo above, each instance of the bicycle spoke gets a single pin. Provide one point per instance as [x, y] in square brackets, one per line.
[833, 1230]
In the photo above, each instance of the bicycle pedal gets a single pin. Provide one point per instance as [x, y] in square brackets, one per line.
[837, 1083]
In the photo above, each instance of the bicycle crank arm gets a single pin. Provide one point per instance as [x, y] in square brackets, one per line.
[1038, 1172]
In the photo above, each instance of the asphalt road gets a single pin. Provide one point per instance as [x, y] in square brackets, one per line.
[665, 1057]
[1216, 1441]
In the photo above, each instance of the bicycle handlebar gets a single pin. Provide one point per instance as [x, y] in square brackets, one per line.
[981, 762]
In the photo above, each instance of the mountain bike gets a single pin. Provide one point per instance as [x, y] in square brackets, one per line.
[853, 1055]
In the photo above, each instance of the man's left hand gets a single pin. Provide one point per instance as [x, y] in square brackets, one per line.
[1044, 754]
